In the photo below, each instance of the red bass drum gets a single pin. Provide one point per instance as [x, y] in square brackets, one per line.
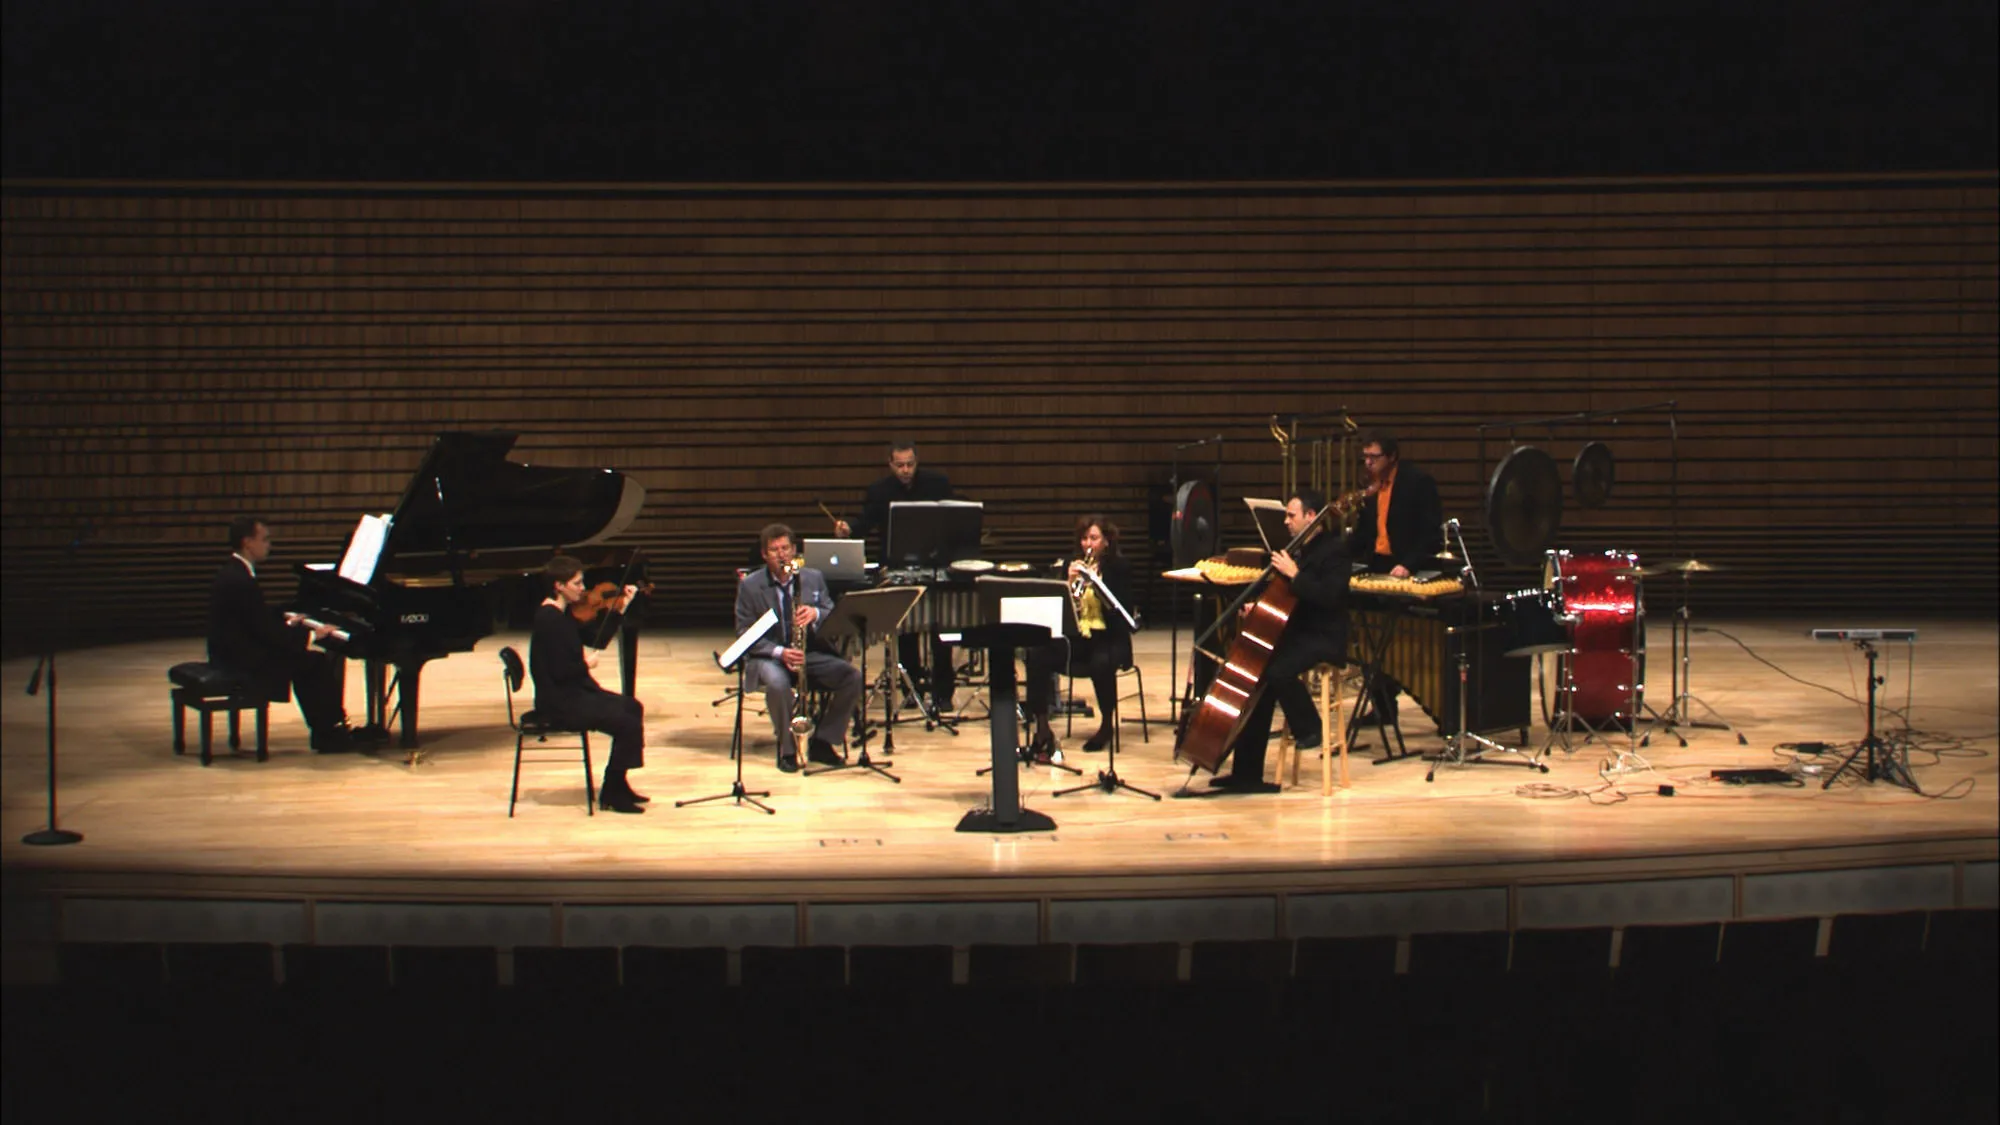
[1603, 604]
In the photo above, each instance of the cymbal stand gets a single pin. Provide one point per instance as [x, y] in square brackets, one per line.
[1882, 762]
[1681, 712]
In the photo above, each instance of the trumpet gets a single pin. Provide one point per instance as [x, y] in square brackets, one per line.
[801, 723]
[1079, 586]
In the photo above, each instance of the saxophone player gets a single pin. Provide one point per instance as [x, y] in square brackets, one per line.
[1103, 643]
[776, 661]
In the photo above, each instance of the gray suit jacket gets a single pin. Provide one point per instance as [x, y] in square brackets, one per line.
[757, 593]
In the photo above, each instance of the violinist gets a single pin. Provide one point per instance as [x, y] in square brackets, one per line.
[1398, 530]
[1315, 634]
[567, 694]
[1103, 643]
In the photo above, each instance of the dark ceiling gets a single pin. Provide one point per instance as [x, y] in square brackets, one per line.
[957, 90]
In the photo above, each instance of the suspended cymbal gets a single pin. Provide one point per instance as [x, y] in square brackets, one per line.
[1690, 566]
[1680, 566]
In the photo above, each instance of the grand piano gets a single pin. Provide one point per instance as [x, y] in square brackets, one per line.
[435, 576]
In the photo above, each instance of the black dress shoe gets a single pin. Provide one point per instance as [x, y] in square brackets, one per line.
[1230, 783]
[1098, 741]
[788, 763]
[1042, 748]
[338, 740]
[619, 803]
[625, 787]
[820, 751]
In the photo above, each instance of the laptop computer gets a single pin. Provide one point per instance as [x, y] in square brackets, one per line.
[841, 560]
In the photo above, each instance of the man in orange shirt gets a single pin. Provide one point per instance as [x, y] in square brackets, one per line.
[1398, 531]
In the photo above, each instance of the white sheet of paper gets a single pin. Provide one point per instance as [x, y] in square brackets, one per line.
[1046, 612]
[742, 644]
[365, 549]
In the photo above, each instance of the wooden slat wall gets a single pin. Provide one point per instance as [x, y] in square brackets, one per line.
[174, 354]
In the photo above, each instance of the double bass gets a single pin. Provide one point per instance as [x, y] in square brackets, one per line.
[1209, 729]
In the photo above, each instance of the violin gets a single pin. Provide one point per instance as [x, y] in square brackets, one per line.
[604, 598]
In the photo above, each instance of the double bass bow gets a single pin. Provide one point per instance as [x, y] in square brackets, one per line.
[1209, 729]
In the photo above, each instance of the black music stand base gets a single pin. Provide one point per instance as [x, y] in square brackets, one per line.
[1874, 760]
[1107, 778]
[987, 820]
[860, 762]
[51, 836]
[736, 793]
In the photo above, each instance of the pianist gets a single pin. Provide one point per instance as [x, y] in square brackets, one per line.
[566, 693]
[1316, 633]
[774, 661]
[272, 651]
[1104, 643]
[906, 481]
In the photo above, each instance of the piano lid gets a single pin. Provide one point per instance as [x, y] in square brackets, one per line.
[467, 496]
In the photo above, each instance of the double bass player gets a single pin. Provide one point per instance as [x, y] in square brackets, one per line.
[1315, 632]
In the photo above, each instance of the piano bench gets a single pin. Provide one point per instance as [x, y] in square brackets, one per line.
[208, 689]
[1326, 682]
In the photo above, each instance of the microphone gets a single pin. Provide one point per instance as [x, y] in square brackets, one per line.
[1216, 440]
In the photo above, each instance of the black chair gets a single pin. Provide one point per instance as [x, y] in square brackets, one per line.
[343, 971]
[794, 967]
[530, 725]
[228, 967]
[676, 969]
[565, 971]
[899, 967]
[1018, 966]
[208, 689]
[1128, 964]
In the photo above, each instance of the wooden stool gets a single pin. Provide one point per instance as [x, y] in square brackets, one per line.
[1324, 680]
[208, 689]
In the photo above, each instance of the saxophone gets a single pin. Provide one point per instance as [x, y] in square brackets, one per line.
[801, 722]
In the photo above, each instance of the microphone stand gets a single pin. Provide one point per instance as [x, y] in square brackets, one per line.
[1467, 747]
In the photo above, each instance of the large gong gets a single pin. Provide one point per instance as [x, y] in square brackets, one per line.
[1524, 505]
[1194, 532]
[1593, 474]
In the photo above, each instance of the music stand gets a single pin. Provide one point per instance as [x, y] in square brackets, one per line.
[869, 616]
[733, 658]
[1874, 760]
[1050, 589]
[932, 533]
[1000, 632]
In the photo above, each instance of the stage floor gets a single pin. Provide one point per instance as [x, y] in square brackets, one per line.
[371, 824]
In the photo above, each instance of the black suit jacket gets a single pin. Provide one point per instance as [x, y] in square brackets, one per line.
[248, 637]
[1321, 586]
[1415, 514]
[555, 660]
[1116, 573]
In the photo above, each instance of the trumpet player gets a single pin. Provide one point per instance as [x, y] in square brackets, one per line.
[792, 651]
[1102, 643]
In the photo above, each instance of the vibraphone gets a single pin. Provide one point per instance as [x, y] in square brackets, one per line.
[1412, 632]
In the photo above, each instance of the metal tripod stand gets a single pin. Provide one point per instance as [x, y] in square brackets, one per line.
[1878, 761]
[1466, 747]
[1681, 712]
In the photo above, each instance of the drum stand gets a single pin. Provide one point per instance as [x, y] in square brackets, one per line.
[1681, 712]
[1467, 747]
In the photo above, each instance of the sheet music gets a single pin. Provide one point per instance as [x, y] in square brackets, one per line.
[1105, 595]
[1269, 516]
[1044, 611]
[364, 550]
[750, 637]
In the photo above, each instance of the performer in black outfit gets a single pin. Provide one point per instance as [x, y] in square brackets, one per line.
[1398, 531]
[773, 664]
[566, 692]
[1316, 633]
[905, 482]
[1104, 646]
[269, 650]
